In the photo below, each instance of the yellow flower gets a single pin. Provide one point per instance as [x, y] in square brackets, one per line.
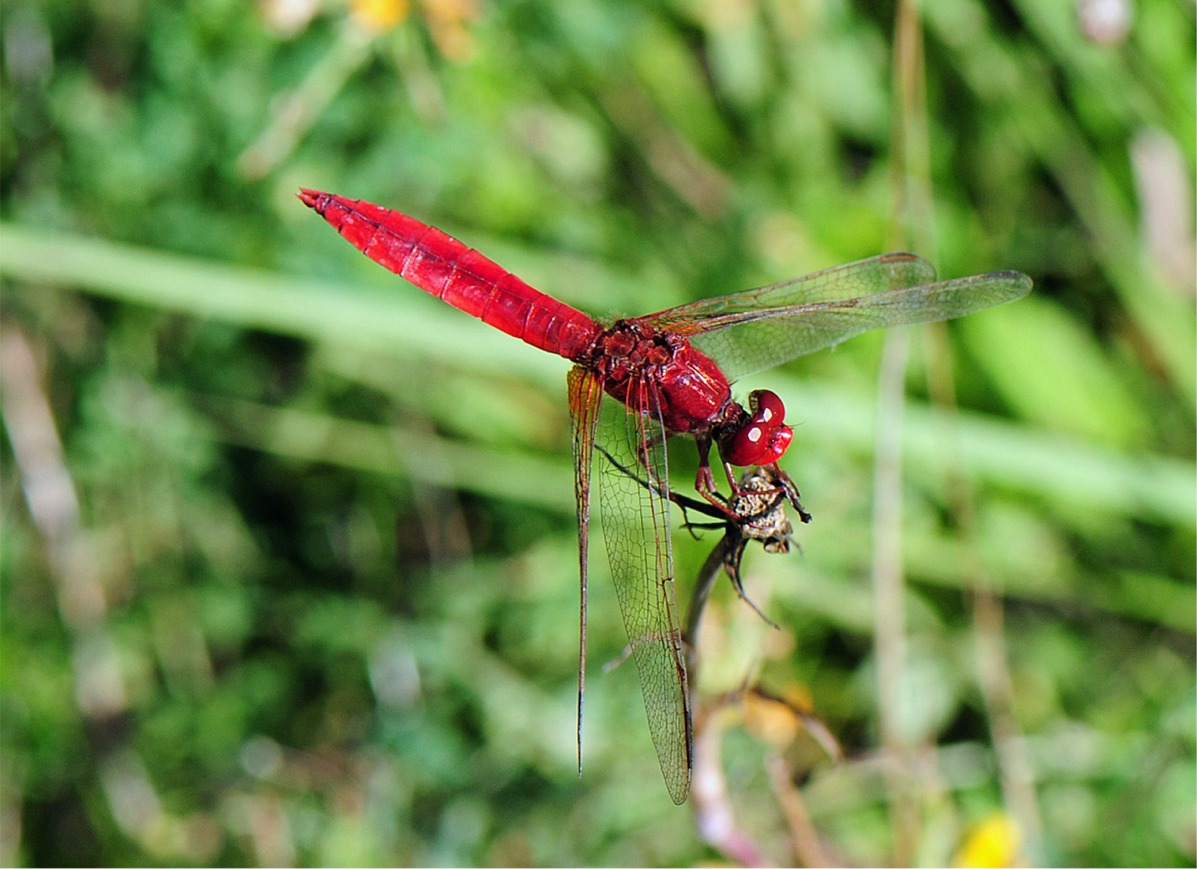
[995, 841]
[379, 14]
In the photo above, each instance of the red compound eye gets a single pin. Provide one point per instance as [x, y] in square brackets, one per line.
[764, 438]
[766, 407]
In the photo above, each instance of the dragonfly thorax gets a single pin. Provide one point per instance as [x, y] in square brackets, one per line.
[662, 374]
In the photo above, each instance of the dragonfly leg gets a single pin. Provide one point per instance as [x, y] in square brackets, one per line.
[704, 482]
[684, 503]
[786, 484]
[733, 554]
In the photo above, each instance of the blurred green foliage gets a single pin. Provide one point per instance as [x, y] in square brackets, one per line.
[288, 563]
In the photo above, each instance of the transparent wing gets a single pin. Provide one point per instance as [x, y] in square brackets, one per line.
[585, 399]
[757, 329]
[836, 284]
[637, 531]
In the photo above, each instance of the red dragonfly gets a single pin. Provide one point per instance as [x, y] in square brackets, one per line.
[670, 373]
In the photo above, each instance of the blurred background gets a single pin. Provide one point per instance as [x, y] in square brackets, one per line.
[288, 562]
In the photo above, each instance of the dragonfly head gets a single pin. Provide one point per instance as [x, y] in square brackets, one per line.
[763, 437]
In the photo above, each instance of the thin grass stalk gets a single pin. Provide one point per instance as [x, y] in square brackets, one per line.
[912, 225]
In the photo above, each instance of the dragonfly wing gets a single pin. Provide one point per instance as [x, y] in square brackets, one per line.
[756, 348]
[861, 278]
[634, 495]
[585, 400]
[756, 329]
[750, 340]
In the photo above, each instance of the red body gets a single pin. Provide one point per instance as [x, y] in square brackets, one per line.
[692, 394]
[441, 265]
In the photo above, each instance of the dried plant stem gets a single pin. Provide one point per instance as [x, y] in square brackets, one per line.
[911, 181]
[707, 576]
[53, 501]
[889, 624]
[993, 673]
[714, 814]
[804, 836]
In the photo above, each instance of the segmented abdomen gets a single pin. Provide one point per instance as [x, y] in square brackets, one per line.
[441, 265]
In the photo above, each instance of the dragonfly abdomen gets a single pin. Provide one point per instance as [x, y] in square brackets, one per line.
[441, 265]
